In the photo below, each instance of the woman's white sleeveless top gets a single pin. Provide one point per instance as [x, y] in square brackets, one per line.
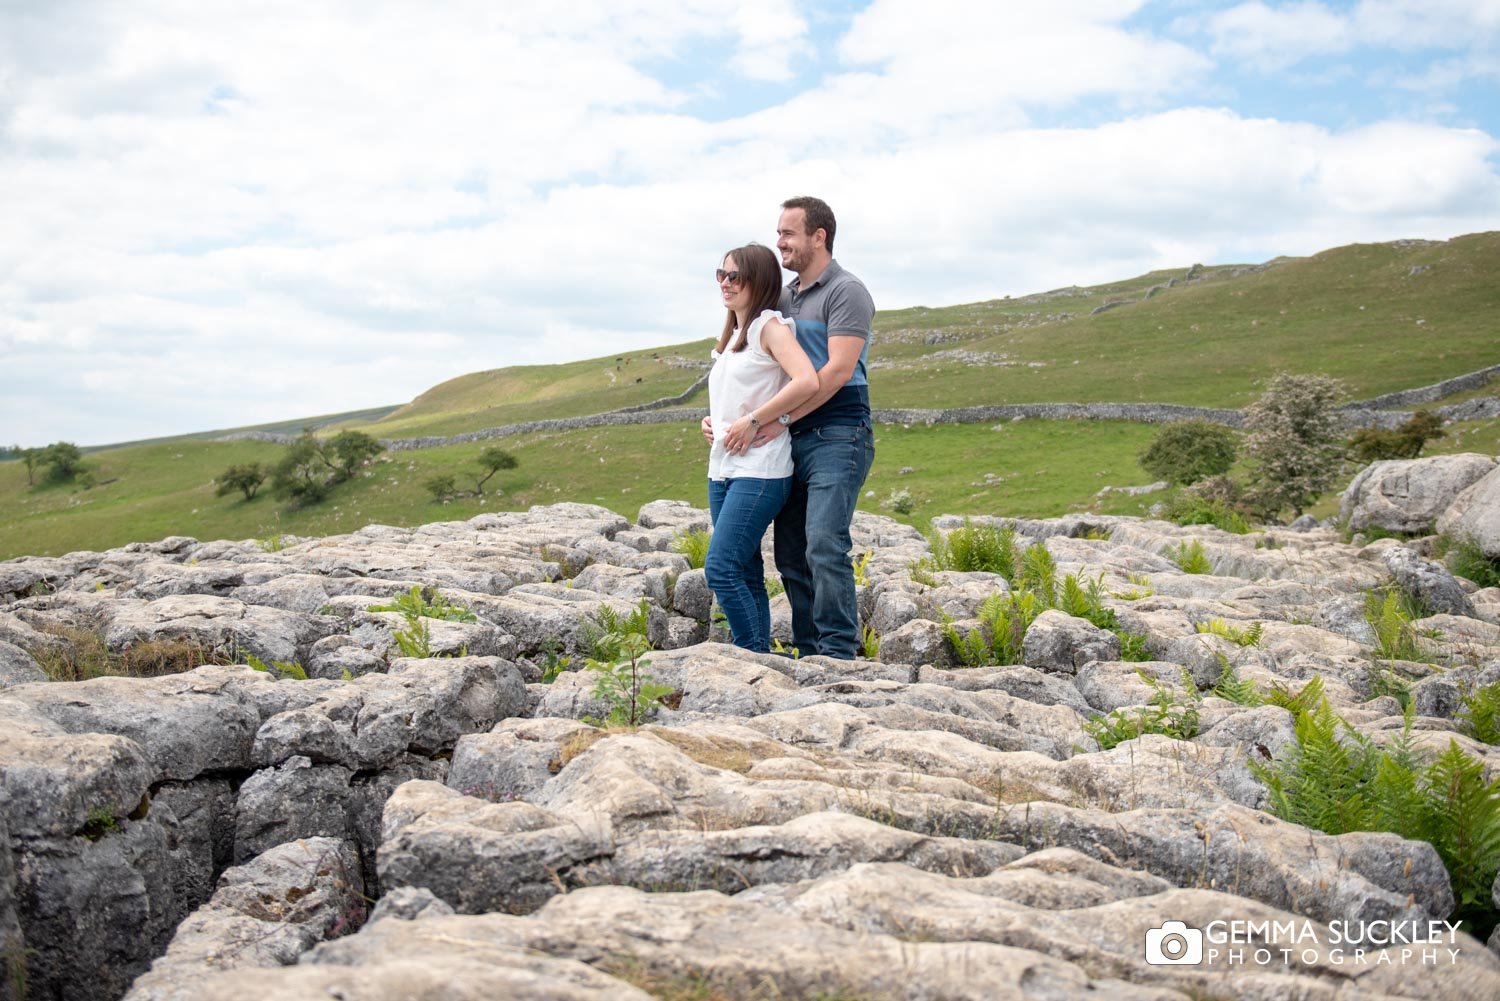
[739, 382]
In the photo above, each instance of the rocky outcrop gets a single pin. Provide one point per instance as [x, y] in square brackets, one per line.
[1409, 495]
[895, 827]
[1475, 514]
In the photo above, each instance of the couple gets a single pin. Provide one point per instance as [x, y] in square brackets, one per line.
[789, 422]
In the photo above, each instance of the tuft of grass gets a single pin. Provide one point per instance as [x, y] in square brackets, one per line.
[1466, 558]
[85, 655]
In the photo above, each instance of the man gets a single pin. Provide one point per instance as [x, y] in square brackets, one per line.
[833, 444]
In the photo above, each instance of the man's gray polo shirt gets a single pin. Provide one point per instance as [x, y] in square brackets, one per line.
[836, 304]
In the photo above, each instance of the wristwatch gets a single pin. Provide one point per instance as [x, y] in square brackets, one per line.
[753, 422]
[784, 420]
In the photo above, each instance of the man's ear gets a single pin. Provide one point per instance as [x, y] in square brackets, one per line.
[820, 237]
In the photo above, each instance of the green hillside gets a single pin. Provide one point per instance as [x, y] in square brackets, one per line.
[1382, 317]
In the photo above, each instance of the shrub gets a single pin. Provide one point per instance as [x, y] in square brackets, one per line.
[1404, 442]
[1192, 508]
[246, 479]
[693, 545]
[281, 669]
[1188, 451]
[1295, 441]
[900, 501]
[312, 467]
[442, 487]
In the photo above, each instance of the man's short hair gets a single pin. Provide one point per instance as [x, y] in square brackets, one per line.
[818, 216]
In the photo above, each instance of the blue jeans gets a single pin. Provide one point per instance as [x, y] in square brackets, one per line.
[741, 510]
[812, 537]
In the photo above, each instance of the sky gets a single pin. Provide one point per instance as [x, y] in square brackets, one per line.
[217, 213]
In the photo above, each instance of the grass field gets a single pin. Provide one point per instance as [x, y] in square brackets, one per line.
[1353, 313]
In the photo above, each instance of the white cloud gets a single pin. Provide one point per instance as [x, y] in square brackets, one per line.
[217, 216]
[1272, 36]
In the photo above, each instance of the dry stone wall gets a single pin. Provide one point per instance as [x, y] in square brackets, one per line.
[901, 827]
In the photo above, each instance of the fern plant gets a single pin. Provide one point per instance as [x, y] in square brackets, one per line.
[416, 604]
[1250, 636]
[1463, 818]
[624, 687]
[277, 668]
[1323, 782]
[973, 548]
[608, 626]
[1232, 688]
[1479, 714]
[1169, 713]
[1189, 557]
[693, 545]
[1390, 616]
[1306, 699]
[1003, 621]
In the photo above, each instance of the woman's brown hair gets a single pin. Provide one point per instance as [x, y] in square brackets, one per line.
[760, 272]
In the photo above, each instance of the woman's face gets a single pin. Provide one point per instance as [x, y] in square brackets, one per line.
[736, 294]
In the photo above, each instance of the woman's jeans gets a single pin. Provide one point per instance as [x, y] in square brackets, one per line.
[741, 510]
[812, 537]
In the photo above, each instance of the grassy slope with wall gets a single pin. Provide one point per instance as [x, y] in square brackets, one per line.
[1210, 342]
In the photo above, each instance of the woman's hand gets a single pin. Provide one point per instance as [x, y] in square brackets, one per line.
[707, 427]
[740, 436]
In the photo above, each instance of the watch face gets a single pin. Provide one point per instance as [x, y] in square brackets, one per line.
[784, 419]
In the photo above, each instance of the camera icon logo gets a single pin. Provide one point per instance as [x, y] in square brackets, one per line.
[1174, 944]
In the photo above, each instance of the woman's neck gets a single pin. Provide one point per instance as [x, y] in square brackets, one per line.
[742, 318]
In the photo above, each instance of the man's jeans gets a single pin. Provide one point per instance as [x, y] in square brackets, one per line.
[741, 510]
[812, 537]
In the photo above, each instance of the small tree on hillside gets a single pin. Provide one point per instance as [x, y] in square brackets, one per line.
[246, 479]
[349, 450]
[1188, 451]
[492, 460]
[1295, 437]
[303, 474]
[30, 456]
[64, 461]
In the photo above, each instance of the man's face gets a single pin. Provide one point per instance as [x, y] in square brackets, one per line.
[793, 240]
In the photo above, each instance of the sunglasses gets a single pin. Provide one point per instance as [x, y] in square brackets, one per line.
[720, 274]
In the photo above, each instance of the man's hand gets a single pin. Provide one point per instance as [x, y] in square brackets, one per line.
[707, 427]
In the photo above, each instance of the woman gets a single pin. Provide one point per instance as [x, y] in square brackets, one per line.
[760, 373]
